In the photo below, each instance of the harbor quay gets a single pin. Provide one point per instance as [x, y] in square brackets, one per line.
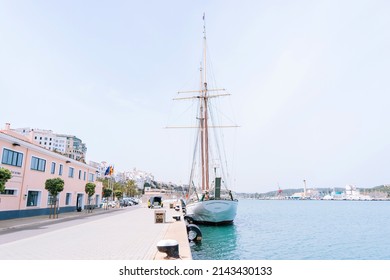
[128, 233]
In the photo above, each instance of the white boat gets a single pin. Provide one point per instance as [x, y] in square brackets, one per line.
[212, 211]
[209, 199]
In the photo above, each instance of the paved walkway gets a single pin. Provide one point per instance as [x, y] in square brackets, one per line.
[118, 234]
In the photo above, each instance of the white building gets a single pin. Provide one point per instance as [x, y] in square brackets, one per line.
[352, 193]
[140, 177]
[100, 166]
[68, 145]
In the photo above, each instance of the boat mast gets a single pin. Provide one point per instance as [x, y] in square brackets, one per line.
[205, 136]
[203, 118]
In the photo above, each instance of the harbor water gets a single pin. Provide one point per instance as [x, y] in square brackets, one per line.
[300, 230]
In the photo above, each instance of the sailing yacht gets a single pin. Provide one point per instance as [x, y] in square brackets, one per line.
[209, 199]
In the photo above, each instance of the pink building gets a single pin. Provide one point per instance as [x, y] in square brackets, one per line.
[31, 165]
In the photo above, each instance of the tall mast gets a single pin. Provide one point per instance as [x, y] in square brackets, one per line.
[202, 131]
[205, 138]
[203, 125]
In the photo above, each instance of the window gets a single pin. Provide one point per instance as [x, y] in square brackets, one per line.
[85, 175]
[53, 168]
[8, 192]
[60, 170]
[32, 198]
[68, 198]
[80, 174]
[12, 158]
[38, 164]
[51, 199]
[97, 199]
[91, 177]
[71, 172]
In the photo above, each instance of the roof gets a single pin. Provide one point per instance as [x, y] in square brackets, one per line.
[16, 135]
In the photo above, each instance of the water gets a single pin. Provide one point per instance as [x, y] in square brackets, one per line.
[300, 230]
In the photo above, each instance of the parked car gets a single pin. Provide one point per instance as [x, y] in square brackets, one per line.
[133, 200]
[105, 204]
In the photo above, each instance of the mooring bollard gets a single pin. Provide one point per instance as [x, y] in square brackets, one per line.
[170, 247]
[176, 217]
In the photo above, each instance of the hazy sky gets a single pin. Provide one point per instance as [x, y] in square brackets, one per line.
[309, 82]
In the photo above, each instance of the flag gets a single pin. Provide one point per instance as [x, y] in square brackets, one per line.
[107, 171]
[111, 170]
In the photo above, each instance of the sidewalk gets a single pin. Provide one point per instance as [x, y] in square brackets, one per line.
[132, 231]
[44, 219]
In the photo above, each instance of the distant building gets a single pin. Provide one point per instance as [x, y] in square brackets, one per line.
[100, 166]
[138, 176]
[67, 145]
[353, 193]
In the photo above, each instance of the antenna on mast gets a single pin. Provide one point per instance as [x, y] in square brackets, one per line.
[204, 53]
[204, 25]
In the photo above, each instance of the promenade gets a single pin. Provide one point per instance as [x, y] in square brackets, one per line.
[128, 233]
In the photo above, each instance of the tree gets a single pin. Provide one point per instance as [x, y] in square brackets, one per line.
[90, 191]
[106, 194]
[54, 187]
[118, 190]
[118, 194]
[5, 175]
[130, 188]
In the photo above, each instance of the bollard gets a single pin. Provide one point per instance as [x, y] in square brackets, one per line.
[170, 247]
[176, 217]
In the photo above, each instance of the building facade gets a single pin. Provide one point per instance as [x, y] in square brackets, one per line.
[31, 165]
[68, 145]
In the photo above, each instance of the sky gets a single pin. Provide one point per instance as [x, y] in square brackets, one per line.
[309, 84]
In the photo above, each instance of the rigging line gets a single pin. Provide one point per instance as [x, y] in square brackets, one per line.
[227, 117]
[197, 136]
[231, 167]
[190, 107]
[216, 109]
[218, 140]
[221, 134]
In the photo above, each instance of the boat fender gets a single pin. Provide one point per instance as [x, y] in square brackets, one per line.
[194, 233]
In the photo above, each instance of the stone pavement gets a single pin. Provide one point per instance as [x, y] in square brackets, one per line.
[129, 233]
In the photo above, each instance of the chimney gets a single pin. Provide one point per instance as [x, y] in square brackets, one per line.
[7, 126]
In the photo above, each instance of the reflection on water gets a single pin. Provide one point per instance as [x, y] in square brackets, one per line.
[218, 243]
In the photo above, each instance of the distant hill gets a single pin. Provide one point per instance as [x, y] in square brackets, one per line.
[289, 192]
[324, 191]
[381, 188]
